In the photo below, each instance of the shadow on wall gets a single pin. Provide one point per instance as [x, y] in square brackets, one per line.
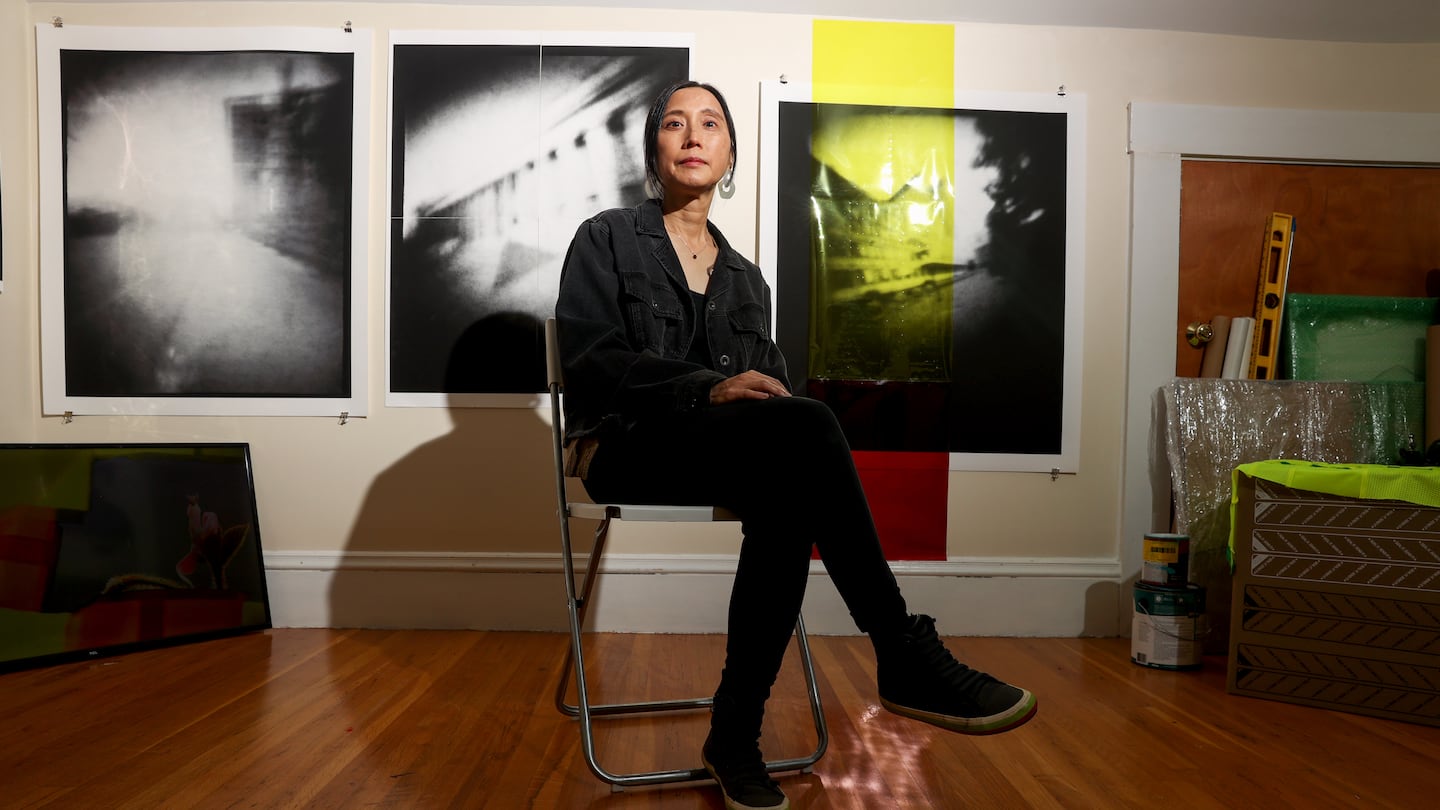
[1108, 609]
[487, 486]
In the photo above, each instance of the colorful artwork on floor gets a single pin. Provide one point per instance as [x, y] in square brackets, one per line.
[109, 548]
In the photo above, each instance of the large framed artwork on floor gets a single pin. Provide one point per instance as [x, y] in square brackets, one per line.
[107, 548]
[927, 265]
[203, 220]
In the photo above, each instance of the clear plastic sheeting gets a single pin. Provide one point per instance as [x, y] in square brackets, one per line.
[1211, 426]
[1207, 427]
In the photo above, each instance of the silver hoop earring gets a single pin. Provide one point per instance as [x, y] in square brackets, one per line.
[727, 186]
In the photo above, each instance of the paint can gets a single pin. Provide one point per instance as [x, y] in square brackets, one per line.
[1166, 560]
[1168, 626]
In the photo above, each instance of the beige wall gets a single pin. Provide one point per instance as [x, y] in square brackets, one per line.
[419, 480]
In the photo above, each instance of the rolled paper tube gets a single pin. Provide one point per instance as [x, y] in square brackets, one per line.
[1432, 385]
[1212, 362]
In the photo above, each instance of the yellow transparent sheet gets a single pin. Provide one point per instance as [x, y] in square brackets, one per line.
[882, 243]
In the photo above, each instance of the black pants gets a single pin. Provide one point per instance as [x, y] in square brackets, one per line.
[784, 467]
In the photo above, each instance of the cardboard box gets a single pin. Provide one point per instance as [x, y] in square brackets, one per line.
[1336, 601]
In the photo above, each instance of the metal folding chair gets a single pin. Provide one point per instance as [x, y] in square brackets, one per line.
[578, 602]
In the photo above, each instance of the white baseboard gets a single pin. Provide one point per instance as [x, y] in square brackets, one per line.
[1053, 597]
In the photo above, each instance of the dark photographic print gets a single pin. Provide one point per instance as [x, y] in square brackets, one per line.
[207, 225]
[921, 258]
[498, 153]
[107, 548]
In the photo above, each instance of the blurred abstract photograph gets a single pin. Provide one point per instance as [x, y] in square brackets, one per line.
[202, 220]
[498, 153]
[207, 223]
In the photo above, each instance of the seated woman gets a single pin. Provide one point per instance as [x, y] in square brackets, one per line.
[676, 393]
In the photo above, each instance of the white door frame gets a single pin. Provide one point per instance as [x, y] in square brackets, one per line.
[1161, 136]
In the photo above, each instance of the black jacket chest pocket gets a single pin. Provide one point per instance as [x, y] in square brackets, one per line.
[653, 311]
[749, 319]
[750, 326]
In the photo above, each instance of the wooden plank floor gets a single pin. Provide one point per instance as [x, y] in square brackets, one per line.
[437, 719]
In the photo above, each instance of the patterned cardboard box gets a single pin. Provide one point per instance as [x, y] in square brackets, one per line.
[1336, 602]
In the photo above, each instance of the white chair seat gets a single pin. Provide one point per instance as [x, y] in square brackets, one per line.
[650, 512]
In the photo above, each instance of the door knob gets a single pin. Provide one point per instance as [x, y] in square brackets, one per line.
[1198, 334]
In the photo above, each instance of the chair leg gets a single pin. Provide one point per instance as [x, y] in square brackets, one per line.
[585, 711]
[579, 602]
[581, 608]
[806, 763]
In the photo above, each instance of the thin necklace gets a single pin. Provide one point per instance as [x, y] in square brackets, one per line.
[694, 254]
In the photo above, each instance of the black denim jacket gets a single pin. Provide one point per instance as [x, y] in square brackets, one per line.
[624, 326]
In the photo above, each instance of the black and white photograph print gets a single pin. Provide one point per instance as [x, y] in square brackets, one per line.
[208, 226]
[499, 150]
[927, 273]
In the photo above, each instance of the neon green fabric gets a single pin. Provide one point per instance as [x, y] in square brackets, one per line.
[1378, 482]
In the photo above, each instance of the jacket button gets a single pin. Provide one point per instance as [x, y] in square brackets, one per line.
[724, 359]
[712, 306]
[655, 304]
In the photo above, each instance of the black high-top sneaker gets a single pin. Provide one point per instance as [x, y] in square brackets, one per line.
[919, 678]
[732, 755]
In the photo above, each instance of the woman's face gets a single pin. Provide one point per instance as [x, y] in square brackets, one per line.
[692, 146]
